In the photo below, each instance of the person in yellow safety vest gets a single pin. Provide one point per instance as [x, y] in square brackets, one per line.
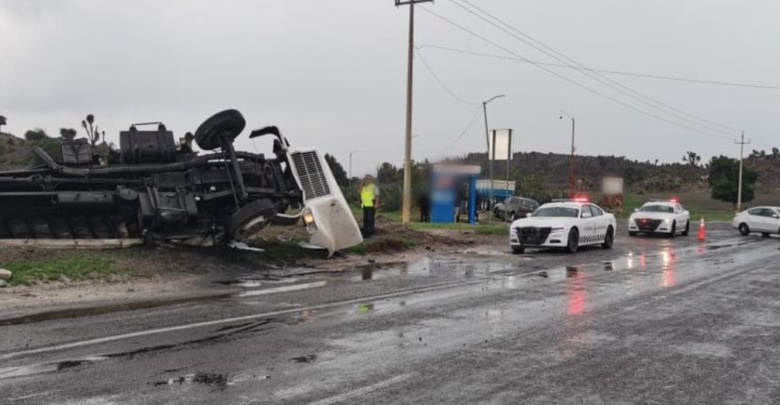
[369, 201]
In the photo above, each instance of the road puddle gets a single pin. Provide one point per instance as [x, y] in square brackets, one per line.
[216, 381]
[43, 368]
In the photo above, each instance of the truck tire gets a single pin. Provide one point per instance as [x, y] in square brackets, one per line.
[227, 125]
[250, 219]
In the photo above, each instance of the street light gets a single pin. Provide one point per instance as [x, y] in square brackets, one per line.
[490, 158]
[571, 162]
[350, 163]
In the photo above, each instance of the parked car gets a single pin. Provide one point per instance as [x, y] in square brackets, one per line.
[515, 207]
[764, 220]
[564, 224]
[664, 217]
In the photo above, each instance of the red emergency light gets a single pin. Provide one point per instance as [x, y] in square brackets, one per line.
[581, 199]
[674, 199]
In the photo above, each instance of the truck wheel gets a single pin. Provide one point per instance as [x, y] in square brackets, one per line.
[744, 229]
[250, 219]
[227, 125]
[609, 238]
[574, 241]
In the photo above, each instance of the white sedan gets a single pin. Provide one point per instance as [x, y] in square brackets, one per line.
[563, 224]
[765, 220]
[665, 217]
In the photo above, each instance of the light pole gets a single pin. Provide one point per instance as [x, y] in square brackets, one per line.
[350, 163]
[741, 144]
[491, 154]
[571, 162]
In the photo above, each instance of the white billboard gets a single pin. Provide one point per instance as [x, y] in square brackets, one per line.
[503, 139]
[612, 186]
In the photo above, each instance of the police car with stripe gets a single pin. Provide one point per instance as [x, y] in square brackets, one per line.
[566, 224]
[664, 217]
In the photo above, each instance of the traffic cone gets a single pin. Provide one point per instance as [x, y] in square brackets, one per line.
[702, 231]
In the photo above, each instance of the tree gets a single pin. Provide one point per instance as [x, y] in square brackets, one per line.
[93, 133]
[35, 135]
[724, 180]
[338, 170]
[775, 152]
[387, 173]
[3, 121]
[692, 158]
[68, 133]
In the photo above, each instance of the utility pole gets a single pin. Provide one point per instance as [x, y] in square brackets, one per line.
[350, 163]
[491, 155]
[407, 201]
[741, 144]
[571, 161]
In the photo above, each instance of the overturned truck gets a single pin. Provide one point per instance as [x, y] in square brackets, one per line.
[154, 190]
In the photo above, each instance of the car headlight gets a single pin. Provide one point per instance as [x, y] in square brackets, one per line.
[667, 220]
[557, 229]
[308, 219]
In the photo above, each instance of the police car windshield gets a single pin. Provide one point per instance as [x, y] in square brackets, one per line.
[657, 208]
[557, 212]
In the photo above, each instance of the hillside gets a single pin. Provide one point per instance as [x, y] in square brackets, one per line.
[547, 172]
[551, 172]
[15, 152]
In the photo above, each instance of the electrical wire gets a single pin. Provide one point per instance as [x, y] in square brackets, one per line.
[614, 85]
[613, 72]
[465, 130]
[574, 82]
[422, 47]
[438, 80]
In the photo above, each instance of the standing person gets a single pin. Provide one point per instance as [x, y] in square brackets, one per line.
[460, 201]
[425, 207]
[369, 200]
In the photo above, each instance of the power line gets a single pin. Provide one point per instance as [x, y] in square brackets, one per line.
[617, 86]
[614, 72]
[465, 130]
[574, 82]
[438, 80]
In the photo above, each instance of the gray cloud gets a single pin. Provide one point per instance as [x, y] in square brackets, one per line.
[332, 74]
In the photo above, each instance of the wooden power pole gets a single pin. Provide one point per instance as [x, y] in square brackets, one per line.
[407, 203]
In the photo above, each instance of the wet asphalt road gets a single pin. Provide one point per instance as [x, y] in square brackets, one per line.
[652, 321]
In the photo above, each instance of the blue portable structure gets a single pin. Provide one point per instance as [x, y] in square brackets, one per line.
[445, 181]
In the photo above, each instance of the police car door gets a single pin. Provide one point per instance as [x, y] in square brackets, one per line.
[678, 216]
[601, 222]
[589, 225]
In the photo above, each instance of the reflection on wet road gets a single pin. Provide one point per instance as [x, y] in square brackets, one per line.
[652, 321]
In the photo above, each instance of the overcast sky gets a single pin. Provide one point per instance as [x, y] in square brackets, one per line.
[331, 74]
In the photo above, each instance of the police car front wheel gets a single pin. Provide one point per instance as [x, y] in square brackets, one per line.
[574, 241]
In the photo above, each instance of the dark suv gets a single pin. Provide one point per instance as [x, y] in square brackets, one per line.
[515, 207]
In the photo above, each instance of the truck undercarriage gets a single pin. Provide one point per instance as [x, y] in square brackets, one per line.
[153, 189]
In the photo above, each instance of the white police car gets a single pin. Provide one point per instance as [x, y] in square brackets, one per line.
[665, 217]
[566, 224]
